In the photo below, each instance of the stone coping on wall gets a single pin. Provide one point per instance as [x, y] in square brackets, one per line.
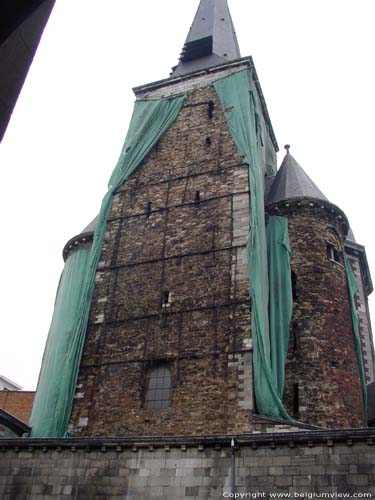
[291, 439]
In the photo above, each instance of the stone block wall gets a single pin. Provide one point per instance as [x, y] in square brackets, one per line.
[323, 385]
[179, 226]
[364, 325]
[295, 465]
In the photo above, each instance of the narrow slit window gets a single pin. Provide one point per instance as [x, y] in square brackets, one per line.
[210, 110]
[148, 209]
[295, 337]
[295, 399]
[158, 388]
[294, 284]
[208, 141]
[197, 198]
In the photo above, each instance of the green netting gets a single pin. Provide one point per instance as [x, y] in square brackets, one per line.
[53, 402]
[353, 288]
[238, 98]
[55, 382]
[281, 296]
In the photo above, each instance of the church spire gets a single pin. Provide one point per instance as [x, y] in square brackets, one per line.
[211, 39]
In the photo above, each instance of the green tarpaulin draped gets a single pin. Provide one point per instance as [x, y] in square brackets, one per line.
[353, 288]
[56, 387]
[52, 400]
[281, 296]
[239, 100]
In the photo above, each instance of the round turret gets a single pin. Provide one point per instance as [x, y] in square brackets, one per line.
[322, 380]
[84, 238]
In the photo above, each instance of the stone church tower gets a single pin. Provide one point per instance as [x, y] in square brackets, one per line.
[163, 337]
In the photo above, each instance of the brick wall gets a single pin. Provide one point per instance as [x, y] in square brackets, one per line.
[18, 403]
[200, 468]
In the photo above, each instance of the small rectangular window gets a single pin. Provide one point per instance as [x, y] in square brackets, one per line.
[332, 253]
[295, 400]
[148, 209]
[167, 299]
[211, 107]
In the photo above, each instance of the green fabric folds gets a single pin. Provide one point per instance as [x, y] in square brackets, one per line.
[353, 288]
[239, 101]
[51, 409]
[280, 297]
[54, 399]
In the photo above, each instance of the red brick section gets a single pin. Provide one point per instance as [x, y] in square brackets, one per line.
[18, 403]
[322, 357]
[188, 249]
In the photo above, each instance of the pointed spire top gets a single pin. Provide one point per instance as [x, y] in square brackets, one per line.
[292, 181]
[287, 147]
[211, 40]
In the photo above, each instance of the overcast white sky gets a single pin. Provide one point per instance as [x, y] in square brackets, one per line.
[315, 61]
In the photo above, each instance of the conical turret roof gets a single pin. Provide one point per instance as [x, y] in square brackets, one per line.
[292, 181]
[350, 237]
[211, 40]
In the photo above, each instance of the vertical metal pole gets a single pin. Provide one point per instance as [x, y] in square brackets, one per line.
[233, 467]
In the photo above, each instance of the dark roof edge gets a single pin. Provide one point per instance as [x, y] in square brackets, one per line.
[359, 251]
[13, 423]
[77, 240]
[214, 69]
[304, 201]
[303, 437]
[172, 80]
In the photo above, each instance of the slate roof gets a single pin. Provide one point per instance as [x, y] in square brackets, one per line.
[211, 40]
[350, 237]
[91, 227]
[14, 424]
[21, 26]
[292, 181]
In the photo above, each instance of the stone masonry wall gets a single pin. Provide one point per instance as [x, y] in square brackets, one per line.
[298, 465]
[322, 376]
[178, 225]
[364, 320]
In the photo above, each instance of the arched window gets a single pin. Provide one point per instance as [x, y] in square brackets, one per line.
[158, 388]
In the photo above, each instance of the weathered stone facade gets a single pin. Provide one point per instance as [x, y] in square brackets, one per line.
[357, 258]
[178, 226]
[340, 462]
[322, 376]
